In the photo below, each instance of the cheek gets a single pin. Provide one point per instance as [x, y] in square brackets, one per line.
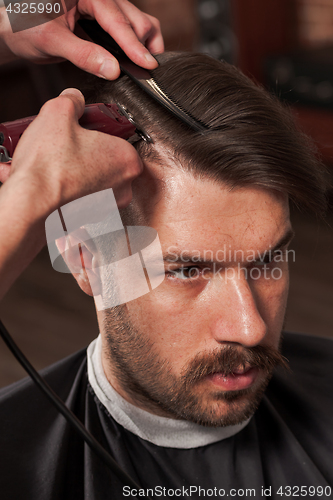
[173, 327]
[271, 298]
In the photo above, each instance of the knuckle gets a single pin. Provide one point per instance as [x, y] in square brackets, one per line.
[155, 22]
[133, 166]
[120, 19]
[67, 106]
[48, 107]
[146, 25]
[83, 57]
[129, 174]
[61, 105]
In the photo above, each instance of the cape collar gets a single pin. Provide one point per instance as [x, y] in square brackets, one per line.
[161, 431]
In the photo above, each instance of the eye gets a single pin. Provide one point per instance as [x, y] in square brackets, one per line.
[271, 257]
[184, 273]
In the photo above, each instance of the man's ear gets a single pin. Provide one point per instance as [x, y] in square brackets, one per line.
[79, 254]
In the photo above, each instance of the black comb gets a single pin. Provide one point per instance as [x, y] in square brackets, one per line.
[139, 75]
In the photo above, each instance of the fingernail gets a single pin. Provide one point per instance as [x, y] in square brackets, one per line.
[109, 69]
[150, 59]
[73, 91]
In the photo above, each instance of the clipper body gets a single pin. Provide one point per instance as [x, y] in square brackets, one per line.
[101, 117]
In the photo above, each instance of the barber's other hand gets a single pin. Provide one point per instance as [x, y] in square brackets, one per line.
[57, 161]
[137, 33]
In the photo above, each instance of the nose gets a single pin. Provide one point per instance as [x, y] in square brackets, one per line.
[237, 317]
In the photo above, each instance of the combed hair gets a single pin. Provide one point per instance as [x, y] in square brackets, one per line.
[252, 138]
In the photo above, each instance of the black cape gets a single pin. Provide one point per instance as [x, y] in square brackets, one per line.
[288, 443]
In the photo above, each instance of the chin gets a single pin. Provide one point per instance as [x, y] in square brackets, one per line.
[222, 409]
[226, 414]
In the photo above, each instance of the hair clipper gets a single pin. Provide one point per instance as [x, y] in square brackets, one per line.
[111, 119]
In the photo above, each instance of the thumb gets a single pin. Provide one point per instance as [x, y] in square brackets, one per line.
[77, 98]
[87, 56]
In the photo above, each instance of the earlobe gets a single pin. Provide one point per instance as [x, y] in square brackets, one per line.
[89, 281]
[81, 261]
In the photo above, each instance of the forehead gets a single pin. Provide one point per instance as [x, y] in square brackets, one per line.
[200, 213]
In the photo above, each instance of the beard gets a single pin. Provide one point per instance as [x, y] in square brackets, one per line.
[148, 378]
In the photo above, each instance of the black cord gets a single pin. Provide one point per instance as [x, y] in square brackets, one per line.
[66, 412]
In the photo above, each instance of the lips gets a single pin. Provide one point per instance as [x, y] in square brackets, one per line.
[241, 378]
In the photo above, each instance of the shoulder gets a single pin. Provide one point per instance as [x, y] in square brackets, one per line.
[309, 356]
[23, 399]
[300, 343]
[35, 440]
[294, 420]
[307, 387]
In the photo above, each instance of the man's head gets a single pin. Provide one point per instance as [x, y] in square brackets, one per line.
[203, 344]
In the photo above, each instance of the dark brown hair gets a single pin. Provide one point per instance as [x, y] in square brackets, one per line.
[252, 138]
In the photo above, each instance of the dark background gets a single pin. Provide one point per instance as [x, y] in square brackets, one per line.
[45, 311]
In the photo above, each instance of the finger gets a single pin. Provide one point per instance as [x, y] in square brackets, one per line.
[154, 42]
[87, 56]
[146, 27]
[4, 171]
[77, 98]
[69, 105]
[119, 27]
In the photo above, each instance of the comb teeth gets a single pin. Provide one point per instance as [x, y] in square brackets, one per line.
[139, 75]
[155, 91]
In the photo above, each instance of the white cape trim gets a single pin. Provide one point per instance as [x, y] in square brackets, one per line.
[161, 431]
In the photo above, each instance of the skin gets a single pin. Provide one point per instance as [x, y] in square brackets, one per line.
[182, 320]
[138, 34]
[179, 323]
[54, 176]
[38, 171]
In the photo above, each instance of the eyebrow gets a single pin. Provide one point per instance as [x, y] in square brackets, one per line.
[179, 256]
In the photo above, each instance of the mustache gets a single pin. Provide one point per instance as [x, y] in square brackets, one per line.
[231, 358]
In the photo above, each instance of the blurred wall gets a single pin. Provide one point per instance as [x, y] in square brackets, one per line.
[179, 21]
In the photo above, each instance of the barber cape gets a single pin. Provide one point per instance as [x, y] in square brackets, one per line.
[285, 450]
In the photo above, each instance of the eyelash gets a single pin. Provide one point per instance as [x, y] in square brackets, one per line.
[266, 261]
[190, 281]
[269, 259]
[181, 270]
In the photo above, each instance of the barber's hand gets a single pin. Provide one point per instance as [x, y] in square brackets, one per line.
[137, 33]
[59, 161]
[56, 161]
